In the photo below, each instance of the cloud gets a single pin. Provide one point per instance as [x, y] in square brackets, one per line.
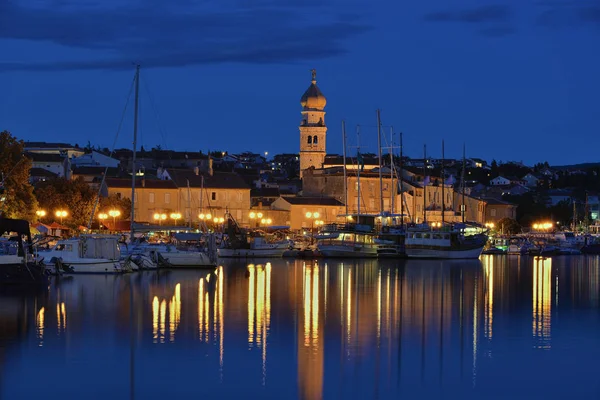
[172, 33]
[575, 14]
[489, 13]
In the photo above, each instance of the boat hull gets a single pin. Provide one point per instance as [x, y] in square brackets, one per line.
[86, 267]
[340, 251]
[251, 253]
[187, 259]
[443, 253]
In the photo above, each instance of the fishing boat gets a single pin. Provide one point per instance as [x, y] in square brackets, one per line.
[86, 254]
[18, 265]
[443, 242]
[347, 240]
[243, 243]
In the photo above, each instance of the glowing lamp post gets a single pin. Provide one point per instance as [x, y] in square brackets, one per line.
[312, 216]
[40, 214]
[175, 217]
[61, 214]
[160, 217]
[256, 216]
[102, 217]
[114, 214]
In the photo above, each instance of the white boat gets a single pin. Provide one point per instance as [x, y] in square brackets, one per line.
[86, 254]
[257, 247]
[446, 242]
[347, 240]
[167, 255]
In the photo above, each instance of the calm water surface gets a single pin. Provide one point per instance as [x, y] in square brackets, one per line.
[501, 327]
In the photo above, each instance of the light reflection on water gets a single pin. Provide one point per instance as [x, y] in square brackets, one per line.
[313, 329]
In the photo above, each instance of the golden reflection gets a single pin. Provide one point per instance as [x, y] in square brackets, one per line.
[251, 303]
[306, 296]
[39, 324]
[349, 306]
[310, 351]
[61, 317]
[489, 299]
[315, 305]
[379, 304]
[542, 299]
[221, 318]
[200, 309]
[175, 312]
[162, 321]
[155, 305]
[206, 317]
[259, 310]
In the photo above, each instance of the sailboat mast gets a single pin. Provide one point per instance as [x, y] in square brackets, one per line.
[135, 129]
[392, 187]
[424, 183]
[400, 184]
[345, 175]
[380, 175]
[463, 208]
[358, 172]
[189, 196]
[443, 205]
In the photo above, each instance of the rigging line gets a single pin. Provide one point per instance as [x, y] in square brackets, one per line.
[111, 154]
[160, 129]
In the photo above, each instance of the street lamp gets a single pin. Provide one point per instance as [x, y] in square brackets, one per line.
[160, 217]
[40, 214]
[61, 214]
[102, 217]
[206, 216]
[114, 214]
[175, 216]
[256, 216]
[312, 216]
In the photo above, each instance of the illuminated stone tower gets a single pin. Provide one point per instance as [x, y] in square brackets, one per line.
[313, 130]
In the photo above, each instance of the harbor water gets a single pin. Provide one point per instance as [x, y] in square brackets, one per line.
[503, 327]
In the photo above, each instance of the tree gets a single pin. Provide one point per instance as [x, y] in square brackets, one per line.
[19, 201]
[74, 196]
[508, 226]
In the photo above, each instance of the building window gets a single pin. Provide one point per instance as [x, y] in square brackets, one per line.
[492, 212]
[240, 197]
[213, 196]
[167, 198]
[315, 140]
[150, 197]
[309, 140]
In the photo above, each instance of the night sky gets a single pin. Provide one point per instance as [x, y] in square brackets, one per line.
[514, 80]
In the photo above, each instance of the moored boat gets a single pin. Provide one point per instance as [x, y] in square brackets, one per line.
[18, 266]
[445, 242]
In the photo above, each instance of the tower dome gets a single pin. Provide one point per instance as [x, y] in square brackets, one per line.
[313, 98]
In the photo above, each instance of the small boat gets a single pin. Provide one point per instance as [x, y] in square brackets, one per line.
[445, 242]
[18, 266]
[86, 254]
[243, 243]
[347, 240]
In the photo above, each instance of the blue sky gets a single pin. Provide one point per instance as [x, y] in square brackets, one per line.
[514, 79]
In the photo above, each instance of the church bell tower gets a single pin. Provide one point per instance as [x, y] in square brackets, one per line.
[313, 130]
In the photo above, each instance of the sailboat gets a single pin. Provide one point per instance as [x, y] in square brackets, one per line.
[166, 255]
[356, 237]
